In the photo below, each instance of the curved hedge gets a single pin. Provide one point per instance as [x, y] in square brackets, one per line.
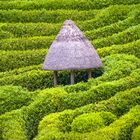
[13, 97]
[119, 129]
[57, 4]
[128, 35]
[136, 133]
[115, 27]
[45, 29]
[10, 60]
[34, 78]
[53, 100]
[26, 43]
[44, 15]
[91, 121]
[54, 125]
[129, 48]
[125, 64]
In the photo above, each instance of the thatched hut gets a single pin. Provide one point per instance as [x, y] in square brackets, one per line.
[72, 51]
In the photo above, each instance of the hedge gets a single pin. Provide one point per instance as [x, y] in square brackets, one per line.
[56, 124]
[115, 27]
[13, 97]
[57, 4]
[119, 129]
[45, 29]
[124, 65]
[55, 100]
[20, 70]
[12, 126]
[44, 15]
[51, 101]
[33, 77]
[136, 133]
[26, 43]
[102, 92]
[10, 60]
[109, 16]
[92, 121]
[30, 29]
[131, 48]
[128, 35]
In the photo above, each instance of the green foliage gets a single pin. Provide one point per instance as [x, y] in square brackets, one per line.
[16, 59]
[28, 27]
[26, 43]
[92, 121]
[44, 15]
[136, 133]
[12, 126]
[129, 48]
[128, 35]
[13, 97]
[57, 4]
[56, 124]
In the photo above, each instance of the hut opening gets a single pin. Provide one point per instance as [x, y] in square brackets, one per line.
[71, 51]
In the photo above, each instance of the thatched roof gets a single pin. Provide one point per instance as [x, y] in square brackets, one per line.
[71, 50]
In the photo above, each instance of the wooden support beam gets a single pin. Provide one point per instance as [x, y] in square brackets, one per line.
[55, 78]
[72, 77]
[89, 73]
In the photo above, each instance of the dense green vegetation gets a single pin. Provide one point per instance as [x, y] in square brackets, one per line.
[106, 107]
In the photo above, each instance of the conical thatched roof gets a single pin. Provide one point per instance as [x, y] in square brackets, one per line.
[71, 50]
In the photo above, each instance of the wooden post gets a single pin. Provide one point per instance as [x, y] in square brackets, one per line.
[89, 73]
[55, 78]
[72, 77]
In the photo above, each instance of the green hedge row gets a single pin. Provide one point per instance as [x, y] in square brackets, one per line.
[119, 129]
[10, 30]
[55, 100]
[61, 122]
[131, 34]
[12, 126]
[44, 15]
[20, 70]
[128, 35]
[45, 42]
[32, 77]
[136, 133]
[26, 43]
[129, 48]
[124, 65]
[109, 16]
[45, 29]
[115, 27]
[57, 4]
[13, 97]
[15, 59]
[52, 100]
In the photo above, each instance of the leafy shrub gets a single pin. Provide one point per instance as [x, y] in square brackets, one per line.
[129, 48]
[57, 4]
[44, 15]
[92, 121]
[128, 35]
[56, 124]
[114, 28]
[13, 97]
[16, 59]
[136, 133]
[19, 71]
[12, 126]
[30, 29]
[26, 43]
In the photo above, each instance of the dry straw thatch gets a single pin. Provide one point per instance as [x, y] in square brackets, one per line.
[71, 50]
